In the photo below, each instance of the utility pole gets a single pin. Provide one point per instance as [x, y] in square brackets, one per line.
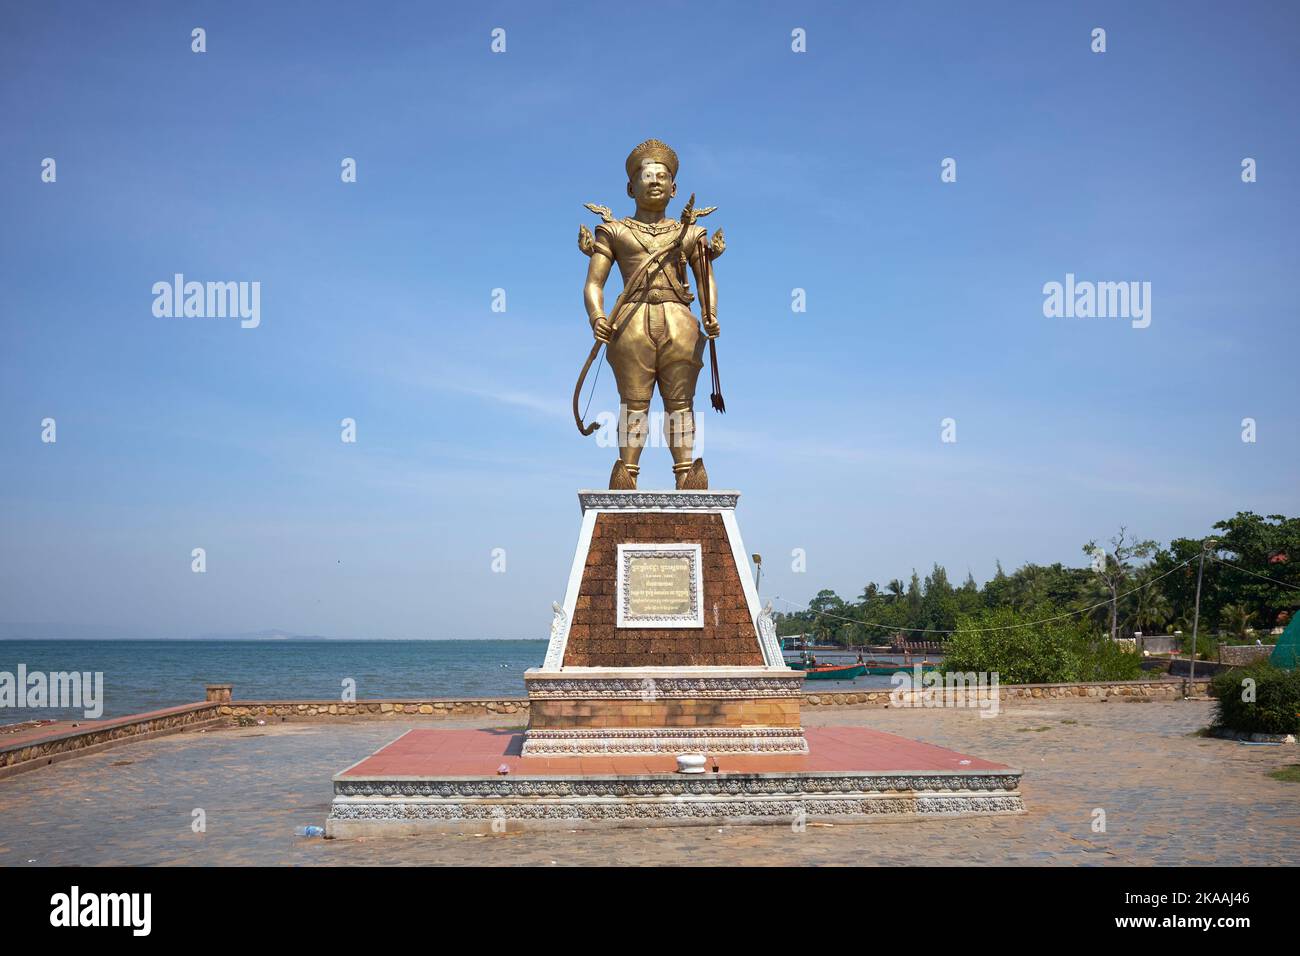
[1196, 614]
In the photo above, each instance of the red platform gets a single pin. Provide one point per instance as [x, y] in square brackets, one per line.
[436, 780]
[478, 753]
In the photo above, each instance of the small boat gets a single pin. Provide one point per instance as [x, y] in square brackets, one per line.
[893, 667]
[803, 664]
[833, 671]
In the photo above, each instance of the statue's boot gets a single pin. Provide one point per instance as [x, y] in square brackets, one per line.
[622, 478]
[693, 479]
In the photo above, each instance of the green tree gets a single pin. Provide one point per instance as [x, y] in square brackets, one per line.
[939, 604]
[915, 600]
[1268, 546]
[1028, 588]
[998, 589]
[969, 599]
[828, 610]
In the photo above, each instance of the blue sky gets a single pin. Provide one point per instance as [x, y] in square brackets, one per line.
[924, 298]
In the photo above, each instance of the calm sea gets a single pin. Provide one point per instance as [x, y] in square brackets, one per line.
[146, 675]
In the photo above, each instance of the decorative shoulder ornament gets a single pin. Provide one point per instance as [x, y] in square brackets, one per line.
[586, 241]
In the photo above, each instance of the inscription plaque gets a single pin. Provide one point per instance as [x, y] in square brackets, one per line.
[659, 585]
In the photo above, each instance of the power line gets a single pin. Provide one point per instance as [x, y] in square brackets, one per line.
[1256, 574]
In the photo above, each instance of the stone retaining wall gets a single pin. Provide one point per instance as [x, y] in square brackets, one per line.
[432, 707]
[1237, 654]
[34, 748]
[1164, 689]
[1157, 689]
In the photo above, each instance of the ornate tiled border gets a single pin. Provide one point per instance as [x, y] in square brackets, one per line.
[661, 740]
[666, 799]
[756, 810]
[650, 687]
[661, 785]
[658, 500]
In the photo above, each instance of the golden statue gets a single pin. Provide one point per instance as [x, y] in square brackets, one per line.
[650, 336]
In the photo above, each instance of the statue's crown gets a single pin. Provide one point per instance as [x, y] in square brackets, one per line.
[652, 150]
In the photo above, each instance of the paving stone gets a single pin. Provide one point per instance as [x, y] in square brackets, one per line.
[1169, 798]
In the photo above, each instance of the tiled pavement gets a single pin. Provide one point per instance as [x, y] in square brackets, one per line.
[1169, 797]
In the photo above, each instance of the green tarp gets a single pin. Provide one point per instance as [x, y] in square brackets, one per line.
[1287, 651]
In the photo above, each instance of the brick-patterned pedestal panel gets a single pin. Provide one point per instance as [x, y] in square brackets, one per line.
[711, 679]
[728, 637]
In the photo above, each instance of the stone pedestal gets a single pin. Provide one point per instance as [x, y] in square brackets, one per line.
[660, 649]
[660, 645]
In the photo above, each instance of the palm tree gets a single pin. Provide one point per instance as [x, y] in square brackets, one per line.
[1096, 595]
[1029, 587]
[1236, 619]
[1153, 606]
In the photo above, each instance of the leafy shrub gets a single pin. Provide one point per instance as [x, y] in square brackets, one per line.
[1207, 646]
[1276, 704]
[1028, 649]
[1101, 659]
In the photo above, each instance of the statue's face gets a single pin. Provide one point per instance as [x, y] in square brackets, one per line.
[653, 188]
